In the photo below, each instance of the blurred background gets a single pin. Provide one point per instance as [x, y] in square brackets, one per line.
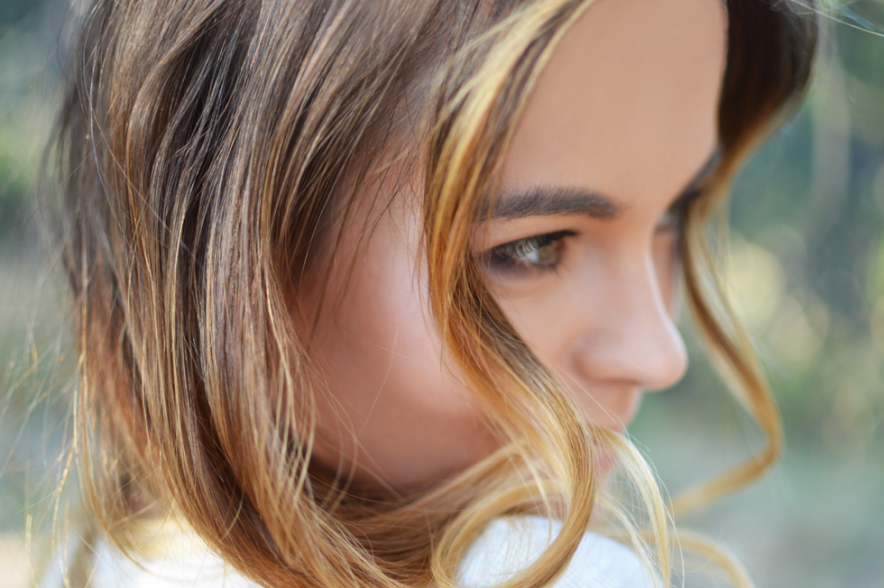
[808, 271]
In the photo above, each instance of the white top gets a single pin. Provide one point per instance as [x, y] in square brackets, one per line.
[506, 546]
[513, 543]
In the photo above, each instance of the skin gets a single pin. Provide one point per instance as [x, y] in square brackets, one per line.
[620, 123]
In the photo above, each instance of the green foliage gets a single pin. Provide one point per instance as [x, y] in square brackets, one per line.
[13, 12]
[25, 108]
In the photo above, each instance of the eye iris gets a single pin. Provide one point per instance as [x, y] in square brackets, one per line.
[542, 253]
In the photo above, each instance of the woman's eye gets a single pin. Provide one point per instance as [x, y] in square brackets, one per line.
[670, 221]
[540, 252]
[673, 218]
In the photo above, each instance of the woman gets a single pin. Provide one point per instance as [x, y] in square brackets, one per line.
[368, 291]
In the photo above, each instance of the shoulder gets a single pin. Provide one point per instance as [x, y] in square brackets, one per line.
[507, 545]
[167, 561]
[196, 568]
[512, 543]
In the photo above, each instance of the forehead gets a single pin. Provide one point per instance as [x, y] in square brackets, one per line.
[627, 104]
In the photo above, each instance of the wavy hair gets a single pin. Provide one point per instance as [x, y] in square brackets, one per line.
[206, 153]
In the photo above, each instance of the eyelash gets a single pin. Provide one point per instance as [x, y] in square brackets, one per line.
[512, 257]
[676, 213]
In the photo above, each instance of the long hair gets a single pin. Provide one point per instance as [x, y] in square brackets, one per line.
[206, 151]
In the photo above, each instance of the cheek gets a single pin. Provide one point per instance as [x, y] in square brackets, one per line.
[393, 407]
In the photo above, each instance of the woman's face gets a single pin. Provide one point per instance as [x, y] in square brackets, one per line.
[579, 250]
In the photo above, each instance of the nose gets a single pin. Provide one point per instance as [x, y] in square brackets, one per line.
[628, 337]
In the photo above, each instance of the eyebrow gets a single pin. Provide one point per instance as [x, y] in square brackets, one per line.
[551, 200]
[569, 201]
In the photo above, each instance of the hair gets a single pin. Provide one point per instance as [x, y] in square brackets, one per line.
[207, 152]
